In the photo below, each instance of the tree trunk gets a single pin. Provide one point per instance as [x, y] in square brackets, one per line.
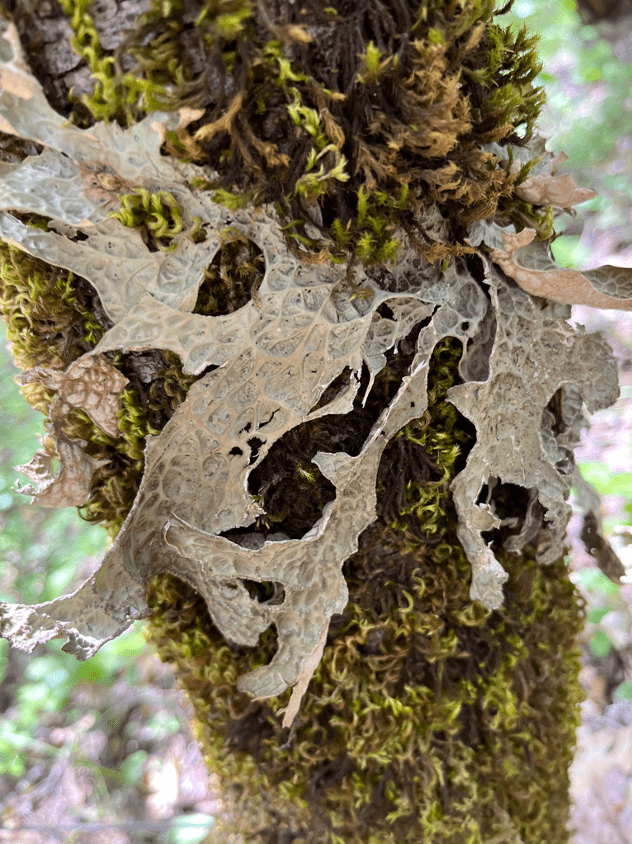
[392, 142]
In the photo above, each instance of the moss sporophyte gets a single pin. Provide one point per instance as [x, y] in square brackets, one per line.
[306, 236]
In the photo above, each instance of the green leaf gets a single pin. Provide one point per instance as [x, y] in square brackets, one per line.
[592, 578]
[568, 252]
[595, 616]
[605, 481]
[104, 667]
[600, 644]
[624, 691]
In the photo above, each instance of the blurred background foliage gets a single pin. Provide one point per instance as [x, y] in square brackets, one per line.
[41, 551]
[587, 77]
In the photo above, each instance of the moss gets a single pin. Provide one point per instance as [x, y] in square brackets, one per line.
[51, 321]
[158, 215]
[116, 95]
[394, 105]
[145, 410]
[429, 719]
[233, 276]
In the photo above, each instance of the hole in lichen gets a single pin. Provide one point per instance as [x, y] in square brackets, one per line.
[417, 466]
[14, 150]
[385, 312]
[149, 240]
[157, 387]
[337, 386]
[292, 489]
[553, 416]
[232, 278]
[255, 444]
[483, 495]
[236, 452]
[34, 221]
[287, 484]
[266, 591]
[510, 503]
[199, 236]
[266, 421]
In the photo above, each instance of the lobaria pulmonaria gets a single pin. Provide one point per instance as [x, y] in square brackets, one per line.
[311, 365]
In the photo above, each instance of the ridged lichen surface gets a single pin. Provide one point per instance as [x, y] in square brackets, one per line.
[283, 288]
[429, 718]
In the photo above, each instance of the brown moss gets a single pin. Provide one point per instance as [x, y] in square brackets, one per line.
[308, 105]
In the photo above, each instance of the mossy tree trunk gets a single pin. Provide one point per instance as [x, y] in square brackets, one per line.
[430, 718]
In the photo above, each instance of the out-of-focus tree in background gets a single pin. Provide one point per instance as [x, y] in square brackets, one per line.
[103, 745]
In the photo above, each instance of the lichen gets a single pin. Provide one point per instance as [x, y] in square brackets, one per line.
[427, 718]
[300, 272]
[277, 354]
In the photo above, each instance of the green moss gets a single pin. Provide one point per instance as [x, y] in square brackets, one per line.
[158, 214]
[522, 214]
[109, 99]
[145, 410]
[51, 321]
[410, 99]
[429, 719]
[232, 278]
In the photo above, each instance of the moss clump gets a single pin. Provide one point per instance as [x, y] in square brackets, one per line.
[356, 121]
[429, 718]
[233, 276]
[52, 319]
[146, 409]
[116, 95]
[158, 215]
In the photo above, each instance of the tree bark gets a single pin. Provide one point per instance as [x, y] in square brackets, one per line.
[430, 716]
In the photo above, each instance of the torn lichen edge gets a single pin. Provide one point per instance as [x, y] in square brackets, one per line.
[530, 265]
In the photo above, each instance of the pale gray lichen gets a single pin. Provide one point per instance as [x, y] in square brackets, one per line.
[267, 366]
